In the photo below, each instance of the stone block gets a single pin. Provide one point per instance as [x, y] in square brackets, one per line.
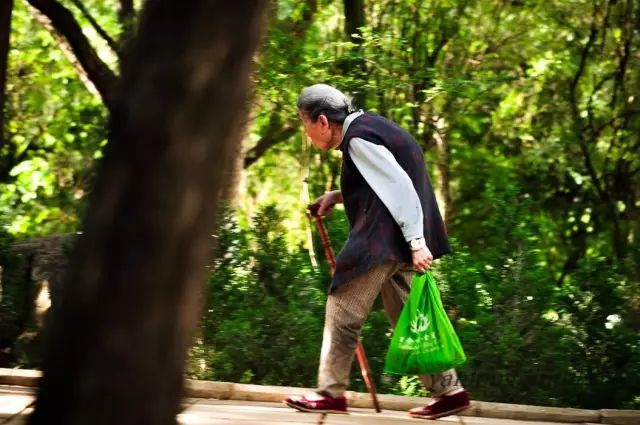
[531, 413]
[620, 417]
[21, 377]
[208, 389]
[265, 393]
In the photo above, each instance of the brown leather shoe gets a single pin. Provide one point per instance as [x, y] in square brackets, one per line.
[442, 406]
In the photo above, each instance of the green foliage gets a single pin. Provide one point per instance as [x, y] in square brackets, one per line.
[501, 297]
[599, 310]
[530, 340]
[264, 308]
[55, 131]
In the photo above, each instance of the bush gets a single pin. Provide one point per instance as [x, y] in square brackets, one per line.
[600, 308]
[264, 308]
[529, 340]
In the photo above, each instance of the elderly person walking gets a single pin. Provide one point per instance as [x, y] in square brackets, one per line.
[395, 230]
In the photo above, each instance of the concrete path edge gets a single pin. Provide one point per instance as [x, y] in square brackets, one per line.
[266, 393]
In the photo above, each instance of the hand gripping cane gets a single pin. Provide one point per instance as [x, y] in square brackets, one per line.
[328, 252]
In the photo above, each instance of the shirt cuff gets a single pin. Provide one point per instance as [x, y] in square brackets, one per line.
[410, 236]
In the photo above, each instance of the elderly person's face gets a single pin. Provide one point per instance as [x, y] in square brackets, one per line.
[319, 131]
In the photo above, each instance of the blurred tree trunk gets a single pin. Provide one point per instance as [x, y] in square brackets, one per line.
[6, 7]
[131, 301]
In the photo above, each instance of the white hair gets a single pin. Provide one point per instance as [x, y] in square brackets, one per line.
[324, 99]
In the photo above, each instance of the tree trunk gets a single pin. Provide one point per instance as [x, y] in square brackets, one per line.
[6, 7]
[131, 300]
[353, 21]
[443, 179]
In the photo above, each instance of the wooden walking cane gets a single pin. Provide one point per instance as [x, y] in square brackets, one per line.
[362, 358]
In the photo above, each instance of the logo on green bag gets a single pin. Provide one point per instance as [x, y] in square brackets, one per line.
[421, 336]
[420, 323]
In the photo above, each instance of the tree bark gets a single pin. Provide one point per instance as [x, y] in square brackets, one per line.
[131, 300]
[6, 8]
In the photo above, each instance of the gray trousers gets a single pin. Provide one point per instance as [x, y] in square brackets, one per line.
[346, 311]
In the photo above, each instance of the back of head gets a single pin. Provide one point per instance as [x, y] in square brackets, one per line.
[324, 99]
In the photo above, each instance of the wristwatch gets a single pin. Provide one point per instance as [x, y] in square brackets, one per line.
[417, 244]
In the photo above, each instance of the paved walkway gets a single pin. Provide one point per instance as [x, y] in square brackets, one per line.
[15, 401]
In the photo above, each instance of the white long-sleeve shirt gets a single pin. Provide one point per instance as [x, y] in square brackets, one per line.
[389, 181]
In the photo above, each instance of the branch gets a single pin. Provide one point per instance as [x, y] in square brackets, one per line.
[67, 51]
[101, 32]
[573, 87]
[583, 62]
[494, 47]
[63, 22]
[597, 87]
[605, 25]
[591, 169]
[272, 138]
[577, 250]
[620, 72]
[433, 57]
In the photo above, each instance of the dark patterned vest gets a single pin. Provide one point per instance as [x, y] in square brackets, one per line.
[374, 235]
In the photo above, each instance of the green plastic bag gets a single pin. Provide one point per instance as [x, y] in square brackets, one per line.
[423, 341]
